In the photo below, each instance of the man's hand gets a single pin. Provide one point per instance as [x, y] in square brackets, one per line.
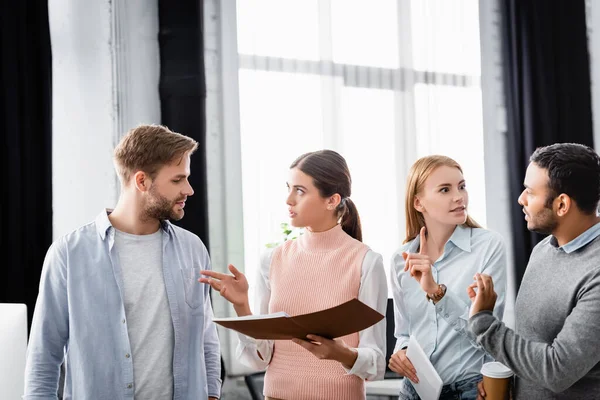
[485, 297]
[400, 364]
[213, 398]
[419, 266]
[327, 349]
[480, 391]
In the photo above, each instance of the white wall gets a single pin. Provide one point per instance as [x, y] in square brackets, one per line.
[105, 70]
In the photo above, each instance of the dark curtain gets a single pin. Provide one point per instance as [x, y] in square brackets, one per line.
[183, 95]
[547, 90]
[183, 99]
[26, 126]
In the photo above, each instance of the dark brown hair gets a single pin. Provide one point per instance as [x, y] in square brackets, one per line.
[331, 175]
[148, 148]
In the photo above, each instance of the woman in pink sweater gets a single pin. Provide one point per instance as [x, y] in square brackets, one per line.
[324, 267]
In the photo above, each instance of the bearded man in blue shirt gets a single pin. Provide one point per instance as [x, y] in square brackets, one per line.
[119, 300]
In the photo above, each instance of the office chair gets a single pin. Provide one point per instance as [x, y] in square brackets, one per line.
[255, 383]
[390, 339]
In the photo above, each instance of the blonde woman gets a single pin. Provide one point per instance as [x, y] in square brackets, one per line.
[444, 248]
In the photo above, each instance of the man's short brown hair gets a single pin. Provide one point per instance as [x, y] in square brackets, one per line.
[148, 148]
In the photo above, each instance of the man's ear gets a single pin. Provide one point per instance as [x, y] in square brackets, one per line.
[563, 204]
[417, 205]
[142, 181]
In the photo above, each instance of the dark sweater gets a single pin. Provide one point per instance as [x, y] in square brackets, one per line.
[555, 348]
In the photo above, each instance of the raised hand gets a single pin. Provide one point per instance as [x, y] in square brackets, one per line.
[401, 365]
[419, 265]
[485, 297]
[232, 287]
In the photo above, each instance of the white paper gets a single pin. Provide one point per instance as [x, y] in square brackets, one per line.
[249, 317]
[430, 384]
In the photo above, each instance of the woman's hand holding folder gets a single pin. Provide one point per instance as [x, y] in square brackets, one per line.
[329, 349]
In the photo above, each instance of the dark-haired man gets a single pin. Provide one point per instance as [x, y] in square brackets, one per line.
[555, 349]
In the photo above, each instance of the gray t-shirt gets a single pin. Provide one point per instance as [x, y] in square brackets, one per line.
[149, 323]
[555, 348]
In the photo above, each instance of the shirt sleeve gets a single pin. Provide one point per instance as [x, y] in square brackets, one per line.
[212, 348]
[456, 311]
[370, 362]
[50, 328]
[251, 352]
[400, 310]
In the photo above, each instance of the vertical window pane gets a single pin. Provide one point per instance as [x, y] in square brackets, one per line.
[278, 28]
[367, 144]
[365, 32]
[445, 36]
[280, 118]
[449, 121]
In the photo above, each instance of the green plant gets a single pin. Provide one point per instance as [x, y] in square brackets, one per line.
[288, 233]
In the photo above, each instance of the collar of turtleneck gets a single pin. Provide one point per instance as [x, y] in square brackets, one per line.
[322, 242]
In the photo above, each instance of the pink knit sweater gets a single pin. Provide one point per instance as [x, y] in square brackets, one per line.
[312, 273]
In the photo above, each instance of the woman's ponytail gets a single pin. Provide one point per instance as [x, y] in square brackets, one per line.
[351, 220]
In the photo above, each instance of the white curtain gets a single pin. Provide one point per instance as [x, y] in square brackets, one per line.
[381, 81]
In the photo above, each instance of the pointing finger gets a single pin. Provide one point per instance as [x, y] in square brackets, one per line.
[423, 245]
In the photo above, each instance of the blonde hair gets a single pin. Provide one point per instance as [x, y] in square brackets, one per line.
[419, 172]
[148, 148]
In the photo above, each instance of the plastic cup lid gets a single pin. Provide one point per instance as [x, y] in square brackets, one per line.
[496, 370]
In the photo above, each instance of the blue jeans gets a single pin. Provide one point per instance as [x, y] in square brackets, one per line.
[460, 390]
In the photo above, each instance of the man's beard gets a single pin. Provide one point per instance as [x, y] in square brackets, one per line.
[161, 208]
[545, 222]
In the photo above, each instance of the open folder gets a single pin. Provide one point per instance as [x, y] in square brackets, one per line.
[349, 317]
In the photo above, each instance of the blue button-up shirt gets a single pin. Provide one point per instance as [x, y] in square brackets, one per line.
[590, 234]
[441, 329]
[80, 317]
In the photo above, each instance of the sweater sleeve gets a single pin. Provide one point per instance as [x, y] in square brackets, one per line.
[556, 365]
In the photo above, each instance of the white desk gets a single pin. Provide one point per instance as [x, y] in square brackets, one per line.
[386, 387]
[13, 345]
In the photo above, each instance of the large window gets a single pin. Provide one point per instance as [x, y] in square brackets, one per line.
[381, 81]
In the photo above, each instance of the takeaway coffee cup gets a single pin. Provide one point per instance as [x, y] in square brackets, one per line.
[496, 380]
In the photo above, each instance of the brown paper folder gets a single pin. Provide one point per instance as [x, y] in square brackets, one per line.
[349, 317]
